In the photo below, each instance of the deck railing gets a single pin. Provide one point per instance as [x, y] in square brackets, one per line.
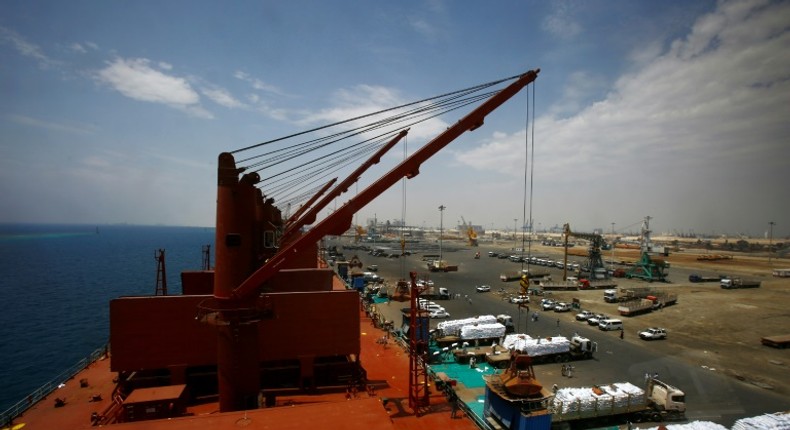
[7, 416]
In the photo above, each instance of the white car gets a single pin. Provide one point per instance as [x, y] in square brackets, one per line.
[562, 307]
[548, 304]
[519, 299]
[584, 315]
[483, 289]
[595, 319]
[653, 333]
[439, 314]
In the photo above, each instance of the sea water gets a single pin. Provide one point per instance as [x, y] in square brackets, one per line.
[56, 282]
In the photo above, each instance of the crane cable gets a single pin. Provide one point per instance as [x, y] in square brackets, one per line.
[529, 158]
[474, 88]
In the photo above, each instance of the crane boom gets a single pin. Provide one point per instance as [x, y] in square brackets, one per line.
[309, 216]
[340, 220]
[310, 202]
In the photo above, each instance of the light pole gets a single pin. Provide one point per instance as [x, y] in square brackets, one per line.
[515, 240]
[441, 227]
[612, 244]
[770, 239]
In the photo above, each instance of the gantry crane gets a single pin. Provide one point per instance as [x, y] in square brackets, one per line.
[594, 260]
[647, 268]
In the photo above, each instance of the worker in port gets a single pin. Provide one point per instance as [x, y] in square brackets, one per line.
[621, 334]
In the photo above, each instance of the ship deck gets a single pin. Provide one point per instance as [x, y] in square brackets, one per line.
[384, 407]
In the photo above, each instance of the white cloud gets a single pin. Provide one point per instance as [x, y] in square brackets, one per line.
[258, 84]
[26, 48]
[68, 128]
[561, 23]
[136, 79]
[222, 97]
[165, 66]
[76, 47]
[362, 100]
[722, 88]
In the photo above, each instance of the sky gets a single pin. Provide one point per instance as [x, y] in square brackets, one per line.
[116, 112]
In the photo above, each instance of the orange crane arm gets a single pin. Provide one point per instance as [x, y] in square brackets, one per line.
[309, 216]
[310, 202]
[340, 220]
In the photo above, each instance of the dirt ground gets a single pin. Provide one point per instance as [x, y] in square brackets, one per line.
[711, 326]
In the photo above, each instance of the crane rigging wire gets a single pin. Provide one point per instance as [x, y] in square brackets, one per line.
[295, 150]
[474, 88]
[338, 164]
[361, 129]
[282, 181]
[455, 106]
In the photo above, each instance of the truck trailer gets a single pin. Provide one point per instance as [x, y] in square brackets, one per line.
[658, 402]
[731, 283]
[557, 349]
[648, 304]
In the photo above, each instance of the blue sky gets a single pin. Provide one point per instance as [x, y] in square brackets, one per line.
[116, 111]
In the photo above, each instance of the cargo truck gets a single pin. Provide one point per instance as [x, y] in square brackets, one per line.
[441, 266]
[658, 402]
[699, 278]
[649, 303]
[557, 349]
[730, 283]
[480, 330]
[515, 399]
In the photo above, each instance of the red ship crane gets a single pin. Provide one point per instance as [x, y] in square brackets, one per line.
[308, 204]
[233, 308]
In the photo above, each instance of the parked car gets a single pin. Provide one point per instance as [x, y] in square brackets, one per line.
[653, 333]
[547, 304]
[483, 289]
[562, 307]
[595, 319]
[519, 299]
[584, 315]
[439, 314]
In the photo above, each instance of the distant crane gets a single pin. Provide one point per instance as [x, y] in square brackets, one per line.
[471, 234]
[594, 259]
[647, 268]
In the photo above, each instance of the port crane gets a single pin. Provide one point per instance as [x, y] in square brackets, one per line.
[594, 260]
[235, 309]
[647, 268]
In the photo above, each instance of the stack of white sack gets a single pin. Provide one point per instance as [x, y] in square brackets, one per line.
[779, 420]
[453, 327]
[536, 347]
[621, 395]
[482, 331]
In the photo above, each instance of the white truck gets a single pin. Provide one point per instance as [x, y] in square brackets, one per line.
[658, 402]
[730, 283]
[550, 349]
[483, 329]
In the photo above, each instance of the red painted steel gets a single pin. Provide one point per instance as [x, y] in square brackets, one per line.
[309, 203]
[342, 187]
[159, 332]
[340, 220]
